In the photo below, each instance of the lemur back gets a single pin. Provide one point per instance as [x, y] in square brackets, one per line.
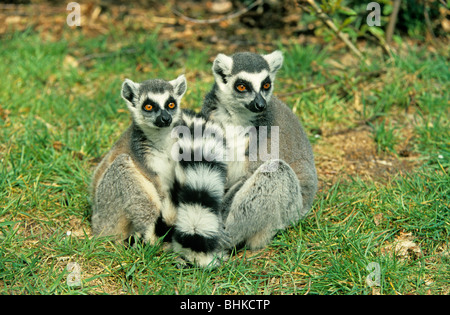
[130, 187]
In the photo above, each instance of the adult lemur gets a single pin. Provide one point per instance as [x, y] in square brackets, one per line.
[131, 185]
[260, 199]
[143, 188]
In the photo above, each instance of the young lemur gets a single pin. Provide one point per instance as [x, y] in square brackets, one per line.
[143, 188]
[263, 195]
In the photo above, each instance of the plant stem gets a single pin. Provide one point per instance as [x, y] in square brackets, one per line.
[328, 22]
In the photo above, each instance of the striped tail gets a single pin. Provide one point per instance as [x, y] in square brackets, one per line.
[198, 191]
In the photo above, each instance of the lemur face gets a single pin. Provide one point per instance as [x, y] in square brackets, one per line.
[245, 80]
[154, 103]
[252, 90]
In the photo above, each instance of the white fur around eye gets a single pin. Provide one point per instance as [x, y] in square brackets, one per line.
[255, 79]
[159, 99]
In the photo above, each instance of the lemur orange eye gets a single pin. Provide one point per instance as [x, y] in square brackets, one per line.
[241, 88]
[148, 107]
[266, 86]
[171, 105]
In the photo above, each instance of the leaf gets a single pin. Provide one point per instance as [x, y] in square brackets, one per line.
[378, 218]
[404, 247]
[376, 31]
[58, 145]
[219, 7]
[70, 62]
[348, 20]
[387, 9]
[363, 30]
[346, 11]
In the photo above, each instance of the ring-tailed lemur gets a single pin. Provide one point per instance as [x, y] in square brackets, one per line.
[146, 188]
[259, 202]
[198, 190]
[132, 183]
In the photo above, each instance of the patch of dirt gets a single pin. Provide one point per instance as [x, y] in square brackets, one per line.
[354, 153]
[78, 228]
[180, 23]
[403, 247]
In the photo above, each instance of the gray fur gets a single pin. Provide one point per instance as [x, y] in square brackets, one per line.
[249, 62]
[130, 187]
[256, 217]
[125, 200]
[156, 86]
[252, 213]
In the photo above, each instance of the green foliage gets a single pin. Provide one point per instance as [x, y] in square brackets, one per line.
[350, 18]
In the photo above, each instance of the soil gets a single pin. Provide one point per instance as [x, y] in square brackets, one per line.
[354, 153]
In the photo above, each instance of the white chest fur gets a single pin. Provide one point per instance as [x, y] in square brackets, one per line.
[163, 165]
[237, 140]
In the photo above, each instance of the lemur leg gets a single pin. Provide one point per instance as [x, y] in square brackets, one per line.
[125, 203]
[308, 177]
[269, 200]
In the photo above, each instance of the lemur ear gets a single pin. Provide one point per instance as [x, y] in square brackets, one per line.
[222, 66]
[179, 85]
[275, 61]
[129, 91]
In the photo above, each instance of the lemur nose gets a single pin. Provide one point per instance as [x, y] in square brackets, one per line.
[260, 106]
[260, 103]
[166, 120]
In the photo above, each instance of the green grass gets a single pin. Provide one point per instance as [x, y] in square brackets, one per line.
[384, 137]
[57, 119]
